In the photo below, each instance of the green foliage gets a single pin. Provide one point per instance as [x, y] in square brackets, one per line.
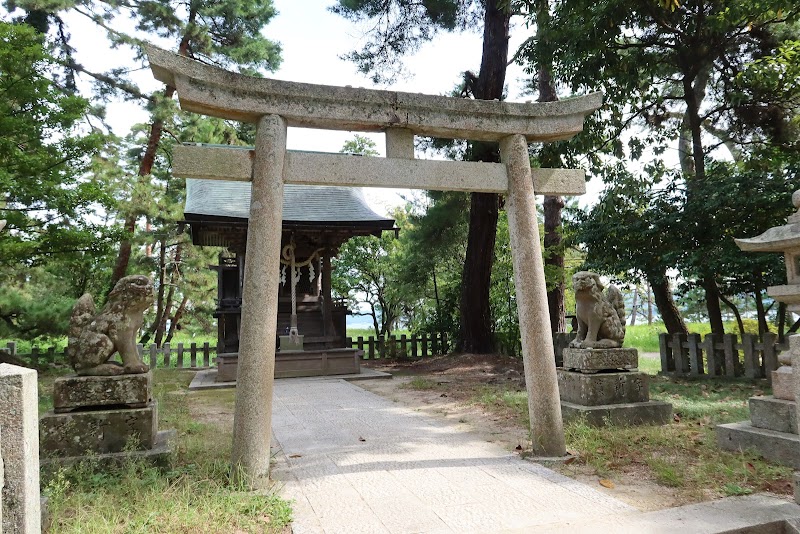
[363, 146]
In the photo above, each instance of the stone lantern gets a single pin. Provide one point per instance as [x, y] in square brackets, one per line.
[772, 429]
[785, 239]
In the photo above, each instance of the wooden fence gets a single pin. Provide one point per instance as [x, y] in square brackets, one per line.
[689, 355]
[181, 356]
[414, 346]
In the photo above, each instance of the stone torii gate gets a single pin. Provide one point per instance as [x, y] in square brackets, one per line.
[273, 105]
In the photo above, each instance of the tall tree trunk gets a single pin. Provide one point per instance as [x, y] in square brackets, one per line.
[649, 305]
[781, 322]
[162, 324]
[735, 311]
[554, 255]
[162, 276]
[712, 305]
[633, 306]
[666, 305]
[146, 167]
[173, 325]
[763, 327]
[475, 333]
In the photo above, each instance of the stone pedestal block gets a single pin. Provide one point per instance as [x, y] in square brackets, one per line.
[593, 360]
[227, 365]
[781, 447]
[602, 388]
[291, 343]
[773, 414]
[19, 451]
[74, 392]
[627, 414]
[98, 432]
[783, 383]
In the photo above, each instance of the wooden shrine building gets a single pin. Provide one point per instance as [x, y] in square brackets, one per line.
[316, 221]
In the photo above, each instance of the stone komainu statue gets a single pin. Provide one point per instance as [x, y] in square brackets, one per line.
[601, 317]
[95, 337]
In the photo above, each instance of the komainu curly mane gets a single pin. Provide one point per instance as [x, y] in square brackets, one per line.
[95, 338]
[601, 317]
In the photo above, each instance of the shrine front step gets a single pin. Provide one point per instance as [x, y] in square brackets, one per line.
[292, 364]
[620, 414]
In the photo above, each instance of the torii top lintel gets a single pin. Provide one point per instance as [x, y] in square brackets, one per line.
[213, 91]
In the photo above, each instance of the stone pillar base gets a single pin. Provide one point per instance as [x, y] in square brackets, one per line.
[773, 414]
[603, 388]
[781, 447]
[624, 414]
[594, 360]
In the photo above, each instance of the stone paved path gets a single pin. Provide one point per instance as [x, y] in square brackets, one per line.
[356, 462]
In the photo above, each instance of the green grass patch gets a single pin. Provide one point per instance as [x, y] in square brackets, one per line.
[194, 495]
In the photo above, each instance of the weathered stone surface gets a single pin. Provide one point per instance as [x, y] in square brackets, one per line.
[71, 392]
[797, 487]
[627, 414]
[210, 90]
[100, 432]
[227, 366]
[603, 388]
[19, 450]
[783, 383]
[160, 455]
[96, 337]
[601, 316]
[600, 359]
[308, 168]
[781, 447]
[538, 353]
[253, 412]
[773, 414]
[291, 342]
[399, 143]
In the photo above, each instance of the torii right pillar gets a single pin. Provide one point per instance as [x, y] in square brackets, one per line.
[544, 404]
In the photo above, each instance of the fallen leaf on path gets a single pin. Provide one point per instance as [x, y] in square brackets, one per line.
[569, 460]
[361, 439]
[606, 483]
[295, 456]
[750, 467]
[518, 448]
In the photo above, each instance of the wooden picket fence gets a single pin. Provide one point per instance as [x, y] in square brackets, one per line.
[414, 346]
[181, 356]
[689, 355]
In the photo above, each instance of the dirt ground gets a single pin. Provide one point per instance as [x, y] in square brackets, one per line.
[450, 388]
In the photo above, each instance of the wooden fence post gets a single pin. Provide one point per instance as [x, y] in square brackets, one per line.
[165, 348]
[348, 342]
[193, 354]
[206, 355]
[695, 356]
[12, 348]
[180, 356]
[679, 357]
[404, 345]
[371, 345]
[667, 363]
[424, 345]
[153, 353]
[752, 368]
[414, 341]
[381, 346]
[360, 343]
[434, 345]
[35, 357]
[445, 346]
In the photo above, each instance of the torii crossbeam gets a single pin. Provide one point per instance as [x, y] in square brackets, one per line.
[273, 105]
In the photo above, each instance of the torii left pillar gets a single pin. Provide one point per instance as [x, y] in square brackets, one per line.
[252, 423]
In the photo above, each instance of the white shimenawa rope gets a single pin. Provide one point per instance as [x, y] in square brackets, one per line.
[288, 258]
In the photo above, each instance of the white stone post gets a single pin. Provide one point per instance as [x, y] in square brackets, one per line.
[538, 355]
[256, 370]
[19, 449]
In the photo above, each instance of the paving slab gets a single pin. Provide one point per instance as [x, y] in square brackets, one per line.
[353, 461]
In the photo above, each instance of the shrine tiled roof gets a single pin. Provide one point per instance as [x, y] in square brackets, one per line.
[301, 203]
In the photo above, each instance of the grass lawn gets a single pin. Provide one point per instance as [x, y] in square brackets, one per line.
[194, 495]
[681, 455]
